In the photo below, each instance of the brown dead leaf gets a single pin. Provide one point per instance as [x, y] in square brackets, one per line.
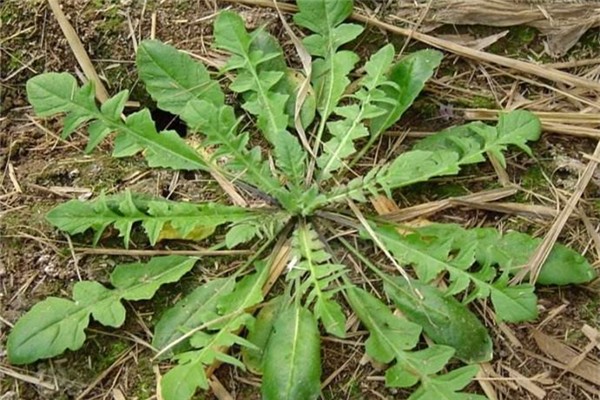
[558, 350]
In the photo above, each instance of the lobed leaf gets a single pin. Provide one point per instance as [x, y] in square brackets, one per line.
[258, 84]
[55, 325]
[445, 320]
[208, 346]
[409, 76]
[513, 250]
[198, 307]
[344, 132]
[391, 338]
[430, 258]
[330, 70]
[314, 261]
[259, 333]
[53, 93]
[159, 218]
[443, 154]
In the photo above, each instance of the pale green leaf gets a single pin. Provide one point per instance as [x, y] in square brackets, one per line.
[173, 78]
[259, 84]
[55, 325]
[292, 363]
[199, 307]
[155, 215]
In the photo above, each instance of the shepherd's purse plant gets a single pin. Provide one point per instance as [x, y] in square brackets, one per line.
[309, 125]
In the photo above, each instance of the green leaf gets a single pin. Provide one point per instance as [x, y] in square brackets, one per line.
[258, 84]
[330, 68]
[444, 319]
[430, 258]
[55, 325]
[330, 80]
[442, 154]
[220, 127]
[155, 215]
[208, 345]
[198, 307]
[392, 337]
[52, 93]
[346, 131]
[389, 334]
[173, 78]
[182, 381]
[409, 75]
[240, 233]
[313, 260]
[292, 363]
[259, 333]
[445, 387]
[513, 250]
[321, 16]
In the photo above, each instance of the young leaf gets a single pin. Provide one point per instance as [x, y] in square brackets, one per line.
[409, 76]
[430, 258]
[292, 363]
[52, 93]
[173, 78]
[157, 216]
[55, 325]
[389, 333]
[198, 307]
[207, 346]
[315, 262]
[344, 132]
[324, 18]
[443, 154]
[445, 387]
[444, 319]
[261, 99]
[220, 127]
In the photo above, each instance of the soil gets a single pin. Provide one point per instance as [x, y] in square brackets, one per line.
[40, 170]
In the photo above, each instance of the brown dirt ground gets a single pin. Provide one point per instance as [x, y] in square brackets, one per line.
[39, 171]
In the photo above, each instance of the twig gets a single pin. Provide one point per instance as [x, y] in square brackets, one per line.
[79, 51]
[135, 253]
[541, 254]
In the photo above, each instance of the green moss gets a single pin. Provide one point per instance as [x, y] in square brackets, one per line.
[483, 102]
[589, 312]
[533, 178]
